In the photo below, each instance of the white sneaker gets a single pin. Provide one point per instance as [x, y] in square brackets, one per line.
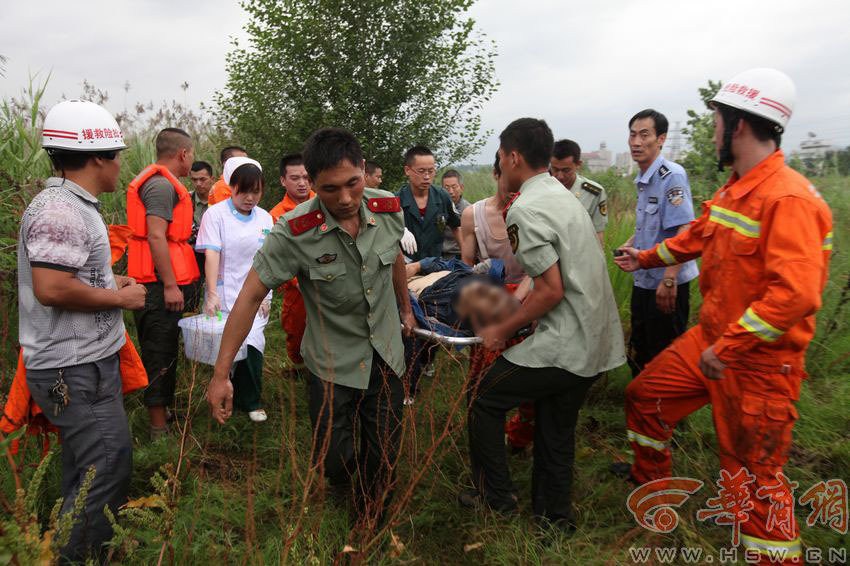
[258, 416]
[429, 370]
[408, 401]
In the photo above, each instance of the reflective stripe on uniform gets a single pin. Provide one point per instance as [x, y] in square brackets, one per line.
[776, 548]
[665, 255]
[646, 441]
[736, 221]
[758, 326]
[827, 242]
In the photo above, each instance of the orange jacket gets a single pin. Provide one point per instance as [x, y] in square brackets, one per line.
[765, 241]
[140, 263]
[285, 206]
[219, 192]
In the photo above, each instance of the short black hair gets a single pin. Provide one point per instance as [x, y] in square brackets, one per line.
[202, 165]
[371, 167]
[453, 173]
[290, 159]
[530, 137]
[658, 119]
[417, 150]
[247, 178]
[171, 140]
[75, 160]
[497, 169]
[566, 148]
[763, 129]
[227, 152]
[327, 148]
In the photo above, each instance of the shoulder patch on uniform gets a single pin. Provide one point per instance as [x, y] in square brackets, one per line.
[384, 204]
[513, 236]
[676, 196]
[326, 258]
[593, 189]
[301, 224]
[603, 208]
[664, 171]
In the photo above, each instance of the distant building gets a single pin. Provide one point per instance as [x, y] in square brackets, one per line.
[812, 154]
[624, 163]
[599, 160]
[813, 148]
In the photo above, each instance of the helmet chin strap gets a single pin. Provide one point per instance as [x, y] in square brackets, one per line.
[730, 122]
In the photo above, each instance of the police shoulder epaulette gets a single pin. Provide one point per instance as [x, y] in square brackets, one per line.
[591, 188]
[384, 204]
[664, 171]
[301, 224]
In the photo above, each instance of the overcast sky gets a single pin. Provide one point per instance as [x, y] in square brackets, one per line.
[585, 67]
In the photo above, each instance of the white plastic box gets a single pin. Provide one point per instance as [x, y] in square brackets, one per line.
[202, 338]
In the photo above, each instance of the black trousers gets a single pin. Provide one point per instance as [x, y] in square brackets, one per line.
[339, 414]
[159, 341]
[558, 396]
[653, 330]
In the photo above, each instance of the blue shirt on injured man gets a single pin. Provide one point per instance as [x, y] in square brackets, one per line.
[664, 203]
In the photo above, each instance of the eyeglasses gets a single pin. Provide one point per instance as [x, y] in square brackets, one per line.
[425, 172]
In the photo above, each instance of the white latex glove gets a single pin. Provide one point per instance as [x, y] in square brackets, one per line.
[212, 304]
[408, 242]
[265, 307]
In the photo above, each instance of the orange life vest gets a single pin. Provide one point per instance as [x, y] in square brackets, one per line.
[140, 264]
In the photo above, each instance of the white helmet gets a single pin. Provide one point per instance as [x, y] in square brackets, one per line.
[763, 92]
[80, 125]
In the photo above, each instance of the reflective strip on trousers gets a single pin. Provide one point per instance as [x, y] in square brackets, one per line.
[758, 326]
[775, 548]
[665, 255]
[646, 441]
[736, 221]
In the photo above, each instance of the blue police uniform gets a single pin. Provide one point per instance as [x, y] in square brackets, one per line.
[664, 203]
[429, 229]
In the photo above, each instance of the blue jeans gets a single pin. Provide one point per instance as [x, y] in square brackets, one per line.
[94, 432]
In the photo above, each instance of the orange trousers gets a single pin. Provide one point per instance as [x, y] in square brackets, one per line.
[293, 319]
[754, 414]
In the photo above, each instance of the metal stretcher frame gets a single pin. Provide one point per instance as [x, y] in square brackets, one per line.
[459, 341]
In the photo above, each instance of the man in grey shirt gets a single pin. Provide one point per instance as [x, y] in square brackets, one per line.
[71, 326]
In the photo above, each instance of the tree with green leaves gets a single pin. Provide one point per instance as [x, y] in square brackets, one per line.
[394, 72]
[700, 160]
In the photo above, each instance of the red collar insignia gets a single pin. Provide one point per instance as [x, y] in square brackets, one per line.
[384, 204]
[301, 224]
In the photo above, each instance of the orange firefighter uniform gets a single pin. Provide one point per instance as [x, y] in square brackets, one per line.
[293, 315]
[765, 241]
[219, 192]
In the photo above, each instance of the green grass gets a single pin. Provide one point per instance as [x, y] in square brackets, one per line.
[246, 494]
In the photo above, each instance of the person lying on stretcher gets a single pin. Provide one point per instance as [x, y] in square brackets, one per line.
[454, 300]
[460, 297]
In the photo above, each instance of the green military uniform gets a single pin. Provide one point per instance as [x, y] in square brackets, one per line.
[592, 197]
[582, 334]
[346, 283]
[574, 342]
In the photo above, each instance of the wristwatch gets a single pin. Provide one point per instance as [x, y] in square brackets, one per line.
[669, 281]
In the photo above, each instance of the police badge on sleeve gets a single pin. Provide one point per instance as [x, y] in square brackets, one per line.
[676, 196]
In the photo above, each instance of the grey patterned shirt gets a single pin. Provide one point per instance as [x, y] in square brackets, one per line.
[62, 229]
